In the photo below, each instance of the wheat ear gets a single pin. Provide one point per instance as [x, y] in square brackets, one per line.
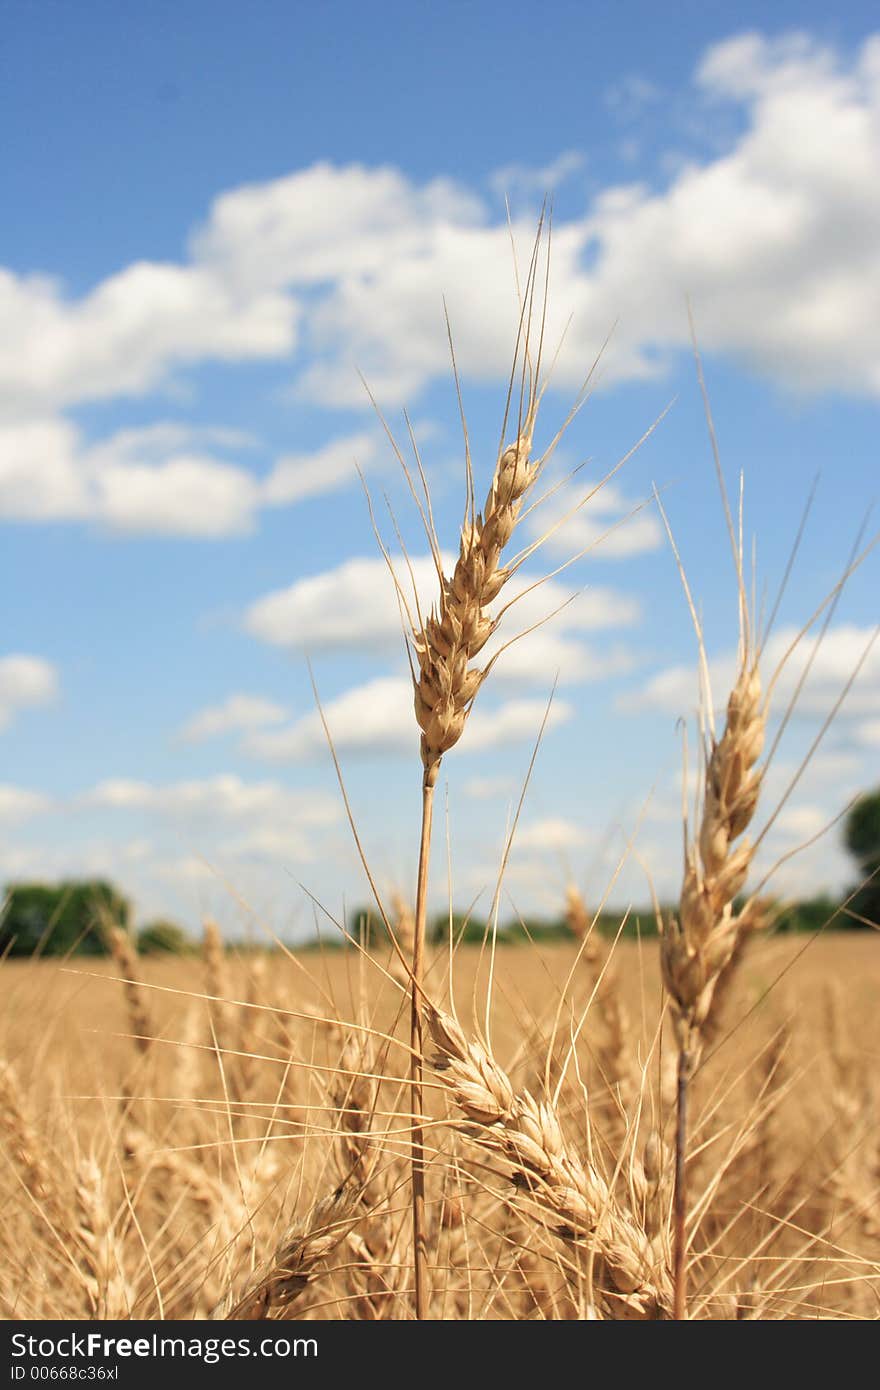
[698, 944]
[297, 1256]
[581, 1208]
[217, 981]
[405, 931]
[34, 1163]
[125, 957]
[101, 1255]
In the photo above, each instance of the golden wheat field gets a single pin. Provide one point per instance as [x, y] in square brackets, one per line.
[230, 1137]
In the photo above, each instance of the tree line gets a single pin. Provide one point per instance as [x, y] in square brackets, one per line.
[73, 916]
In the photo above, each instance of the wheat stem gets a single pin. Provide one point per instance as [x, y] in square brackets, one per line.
[417, 1148]
[680, 1196]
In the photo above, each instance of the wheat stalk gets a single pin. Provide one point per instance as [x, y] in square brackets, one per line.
[446, 680]
[698, 944]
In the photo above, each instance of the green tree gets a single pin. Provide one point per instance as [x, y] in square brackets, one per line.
[59, 918]
[162, 936]
[862, 839]
[464, 929]
[364, 925]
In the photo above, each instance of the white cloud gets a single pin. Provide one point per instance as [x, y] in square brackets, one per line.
[355, 606]
[352, 605]
[278, 843]
[775, 238]
[744, 66]
[187, 870]
[124, 336]
[675, 690]
[551, 833]
[629, 97]
[160, 480]
[235, 713]
[323, 222]
[487, 788]
[25, 681]
[377, 719]
[298, 476]
[802, 821]
[20, 804]
[221, 798]
[48, 473]
[186, 496]
[514, 720]
[869, 733]
[217, 828]
[39, 476]
[608, 525]
[521, 180]
[541, 656]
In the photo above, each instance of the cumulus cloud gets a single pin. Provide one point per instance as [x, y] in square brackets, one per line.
[217, 825]
[298, 476]
[869, 733]
[802, 822]
[221, 798]
[235, 713]
[355, 606]
[539, 657]
[25, 681]
[523, 180]
[675, 690]
[314, 225]
[20, 804]
[166, 479]
[775, 238]
[551, 833]
[351, 605]
[124, 336]
[278, 843]
[487, 788]
[189, 496]
[629, 97]
[514, 720]
[376, 719]
[610, 525]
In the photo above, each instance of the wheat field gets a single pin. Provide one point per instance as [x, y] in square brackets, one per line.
[230, 1138]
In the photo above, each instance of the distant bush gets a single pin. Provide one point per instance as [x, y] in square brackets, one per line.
[536, 929]
[811, 915]
[862, 839]
[464, 928]
[60, 918]
[160, 936]
[364, 924]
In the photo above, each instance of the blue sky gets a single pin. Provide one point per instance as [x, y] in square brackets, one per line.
[212, 219]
